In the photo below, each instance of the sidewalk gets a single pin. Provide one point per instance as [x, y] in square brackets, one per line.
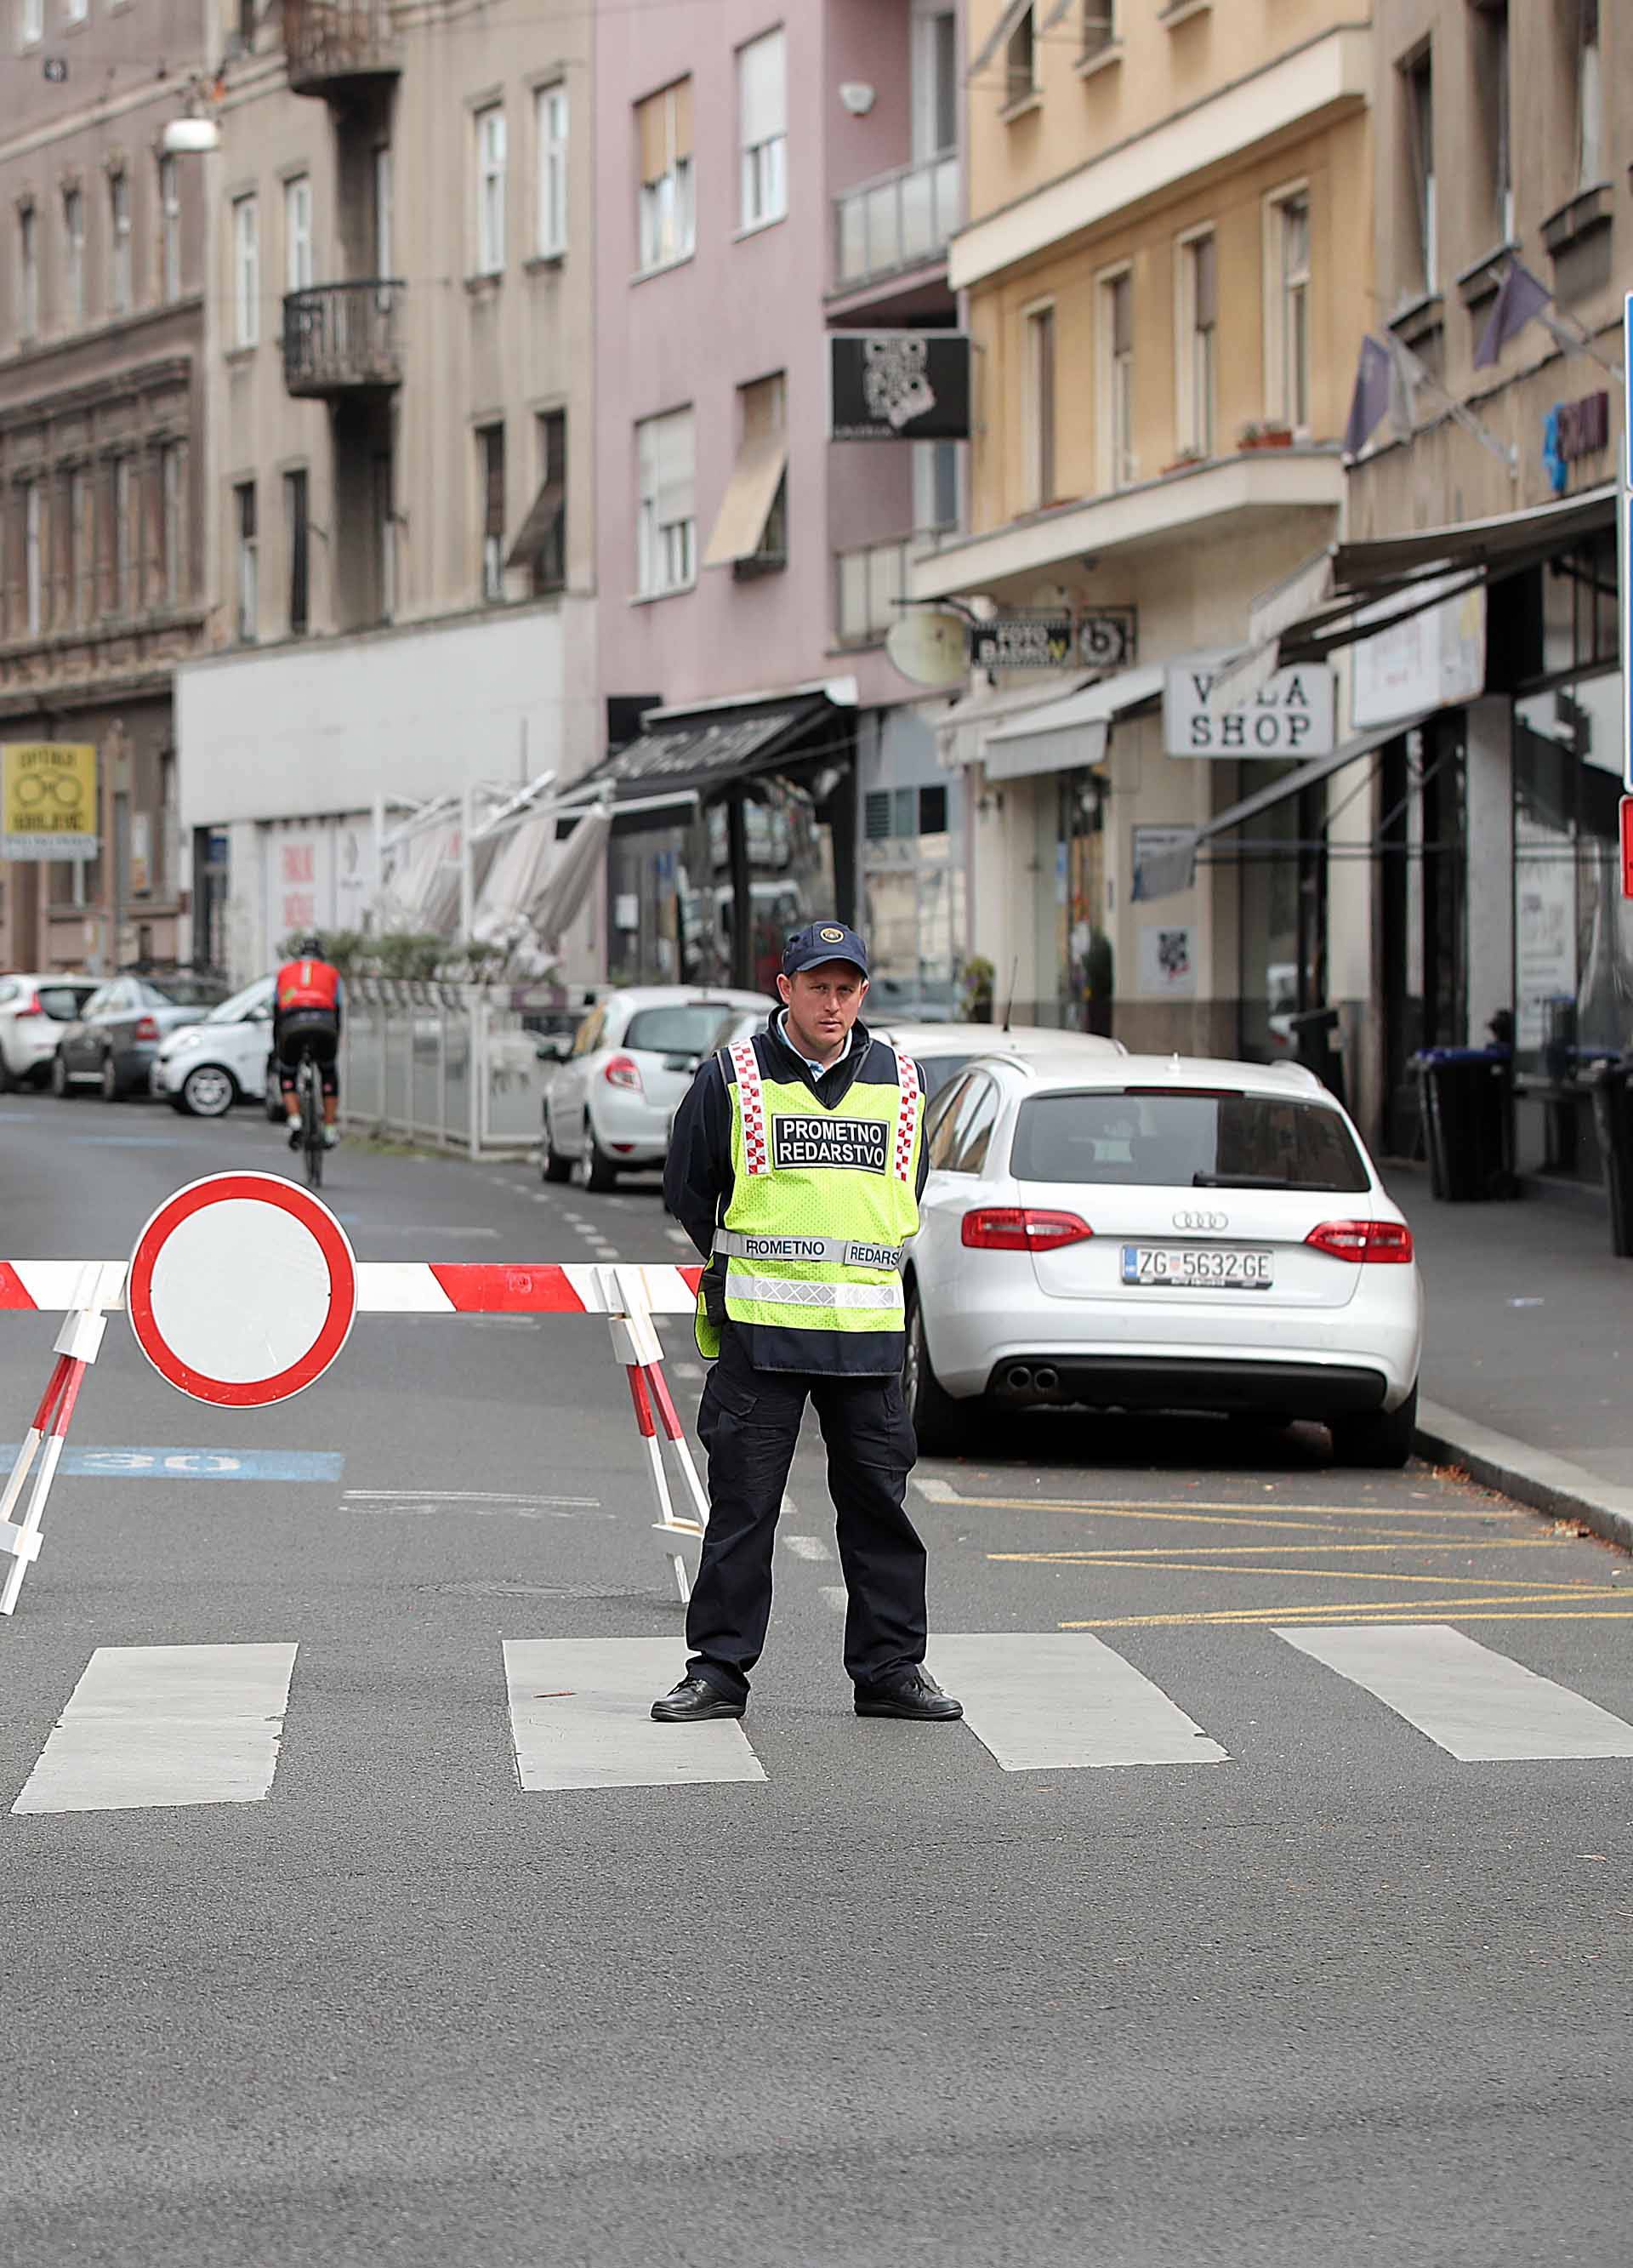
[1527, 1376]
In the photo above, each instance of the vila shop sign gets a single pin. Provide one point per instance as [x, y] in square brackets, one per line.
[1294, 714]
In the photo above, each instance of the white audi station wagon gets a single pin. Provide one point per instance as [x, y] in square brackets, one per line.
[1149, 1232]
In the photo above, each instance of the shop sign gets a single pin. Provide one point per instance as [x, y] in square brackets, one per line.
[898, 386]
[1106, 637]
[1293, 713]
[1022, 642]
[1434, 659]
[47, 799]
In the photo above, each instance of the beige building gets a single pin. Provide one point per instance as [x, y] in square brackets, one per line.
[398, 486]
[101, 407]
[1167, 274]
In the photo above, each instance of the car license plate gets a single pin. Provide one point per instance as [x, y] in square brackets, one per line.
[1184, 1266]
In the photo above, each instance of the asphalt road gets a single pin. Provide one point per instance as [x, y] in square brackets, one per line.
[1323, 1990]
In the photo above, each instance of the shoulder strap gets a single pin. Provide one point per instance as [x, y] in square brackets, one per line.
[907, 1117]
[751, 1104]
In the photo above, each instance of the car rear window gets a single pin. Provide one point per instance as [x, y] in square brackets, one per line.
[688, 1027]
[62, 1001]
[1185, 1140]
[939, 1069]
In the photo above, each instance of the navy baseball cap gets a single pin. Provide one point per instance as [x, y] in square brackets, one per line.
[809, 948]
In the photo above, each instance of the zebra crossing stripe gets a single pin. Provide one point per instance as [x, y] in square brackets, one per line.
[1477, 1705]
[580, 1717]
[153, 1726]
[1061, 1700]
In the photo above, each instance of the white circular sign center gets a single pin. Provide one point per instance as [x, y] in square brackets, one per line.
[240, 1291]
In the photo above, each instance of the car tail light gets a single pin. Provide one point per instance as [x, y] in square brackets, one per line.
[1022, 1228]
[146, 1028]
[1387, 1243]
[30, 1007]
[623, 1070]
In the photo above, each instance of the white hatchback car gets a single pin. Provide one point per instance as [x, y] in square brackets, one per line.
[1159, 1233]
[610, 1107]
[32, 1012]
[206, 1068]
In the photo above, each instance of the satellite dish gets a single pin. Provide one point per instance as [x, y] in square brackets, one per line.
[930, 644]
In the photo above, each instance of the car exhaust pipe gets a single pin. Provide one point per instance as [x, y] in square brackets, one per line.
[1019, 1380]
[1047, 1381]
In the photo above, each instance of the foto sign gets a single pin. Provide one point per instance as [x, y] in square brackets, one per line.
[1022, 642]
[47, 799]
[898, 386]
[1292, 714]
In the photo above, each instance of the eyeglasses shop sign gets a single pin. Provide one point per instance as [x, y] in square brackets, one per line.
[1293, 714]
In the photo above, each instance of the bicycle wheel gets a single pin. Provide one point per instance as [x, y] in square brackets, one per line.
[312, 1124]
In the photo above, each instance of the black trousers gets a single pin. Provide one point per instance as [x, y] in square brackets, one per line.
[749, 1423]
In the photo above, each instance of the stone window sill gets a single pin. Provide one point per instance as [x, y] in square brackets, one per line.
[1481, 279]
[1423, 319]
[1580, 216]
[1021, 107]
[1180, 11]
[1103, 59]
[542, 263]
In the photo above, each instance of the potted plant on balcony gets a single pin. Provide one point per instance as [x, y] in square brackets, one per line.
[1189, 455]
[1267, 433]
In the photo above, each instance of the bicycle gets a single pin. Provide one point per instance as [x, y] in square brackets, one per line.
[309, 1088]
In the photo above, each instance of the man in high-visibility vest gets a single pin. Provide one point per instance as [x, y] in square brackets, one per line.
[306, 1021]
[796, 1167]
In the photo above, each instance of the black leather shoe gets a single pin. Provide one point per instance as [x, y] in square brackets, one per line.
[695, 1701]
[915, 1694]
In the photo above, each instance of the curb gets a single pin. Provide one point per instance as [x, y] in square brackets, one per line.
[1534, 1476]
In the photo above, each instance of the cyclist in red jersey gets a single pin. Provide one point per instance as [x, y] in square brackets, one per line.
[306, 1021]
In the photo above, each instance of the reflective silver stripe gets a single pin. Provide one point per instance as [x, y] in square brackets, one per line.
[833, 1250]
[785, 1292]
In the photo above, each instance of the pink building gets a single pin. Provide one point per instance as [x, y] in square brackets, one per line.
[766, 175]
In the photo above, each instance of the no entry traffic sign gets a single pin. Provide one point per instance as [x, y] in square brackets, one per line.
[242, 1290]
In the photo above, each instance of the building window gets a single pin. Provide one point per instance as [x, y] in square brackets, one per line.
[1494, 112]
[124, 538]
[172, 525]
[248, 578]
[763, 128]
[541, 546]
[246, 272]
[550, 134]
[33, 557]
[297, 233]
[935, 485]
[1198, 337]
[750, 534]
[386, 533]
[668, 220]
[32, 16]
[74, 258]
[82, 548]
[385, 250]
[298, 547]
[1020, 58]
[890, 813]
[1116, 341]
[169, 229]
[490, 463]
[1293, 235]
[1100, 27]
[1419, 93]
[1040, 408]
[490, 191]
[1589, 98]
[119, 244]
[666, 529]
[936, 85]
[27, 275]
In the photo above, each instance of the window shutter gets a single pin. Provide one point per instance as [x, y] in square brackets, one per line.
[876, 818]
[676, 480]
[763, 90]
[681, 95]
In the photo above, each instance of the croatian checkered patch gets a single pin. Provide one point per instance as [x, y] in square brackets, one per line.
[907, 1118]
[751, 1102]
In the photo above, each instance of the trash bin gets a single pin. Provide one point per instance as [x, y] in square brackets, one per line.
[1312, 1030]
[1468, 1122]
[1612, 1087]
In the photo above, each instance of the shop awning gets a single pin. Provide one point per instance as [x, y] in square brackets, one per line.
[1165, 872]
[540, 525]
[745, 508]
[961, 730]
[1066, 734]
[685, 753]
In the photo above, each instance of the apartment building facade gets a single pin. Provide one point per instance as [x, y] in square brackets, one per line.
[768, 180]
[1167, 265]
[1503, 253]
[102, 580]
[398, 495]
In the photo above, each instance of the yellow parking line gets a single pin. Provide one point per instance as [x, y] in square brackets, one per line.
[1282, 1550]
[1328, 1575]
[1325, 1611]
[1238, 1515]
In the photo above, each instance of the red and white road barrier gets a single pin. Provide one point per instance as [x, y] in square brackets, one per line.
[242, 1290]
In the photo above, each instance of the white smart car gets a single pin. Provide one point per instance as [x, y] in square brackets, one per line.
[1156, 1232]
[206, 1068]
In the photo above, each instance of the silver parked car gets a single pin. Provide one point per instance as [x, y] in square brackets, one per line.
[609, 1106]
[113, 1040]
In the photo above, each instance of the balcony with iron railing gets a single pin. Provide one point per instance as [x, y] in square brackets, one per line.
[342, 340]
[331, 45]
[896, 223]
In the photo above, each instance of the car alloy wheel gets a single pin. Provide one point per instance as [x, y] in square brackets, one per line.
[209, 1091]
[599, 1172]
[60, 1086]
[108, 1081]
[557, 1167]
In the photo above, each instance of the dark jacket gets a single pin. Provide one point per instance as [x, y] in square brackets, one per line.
[698, 1177]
